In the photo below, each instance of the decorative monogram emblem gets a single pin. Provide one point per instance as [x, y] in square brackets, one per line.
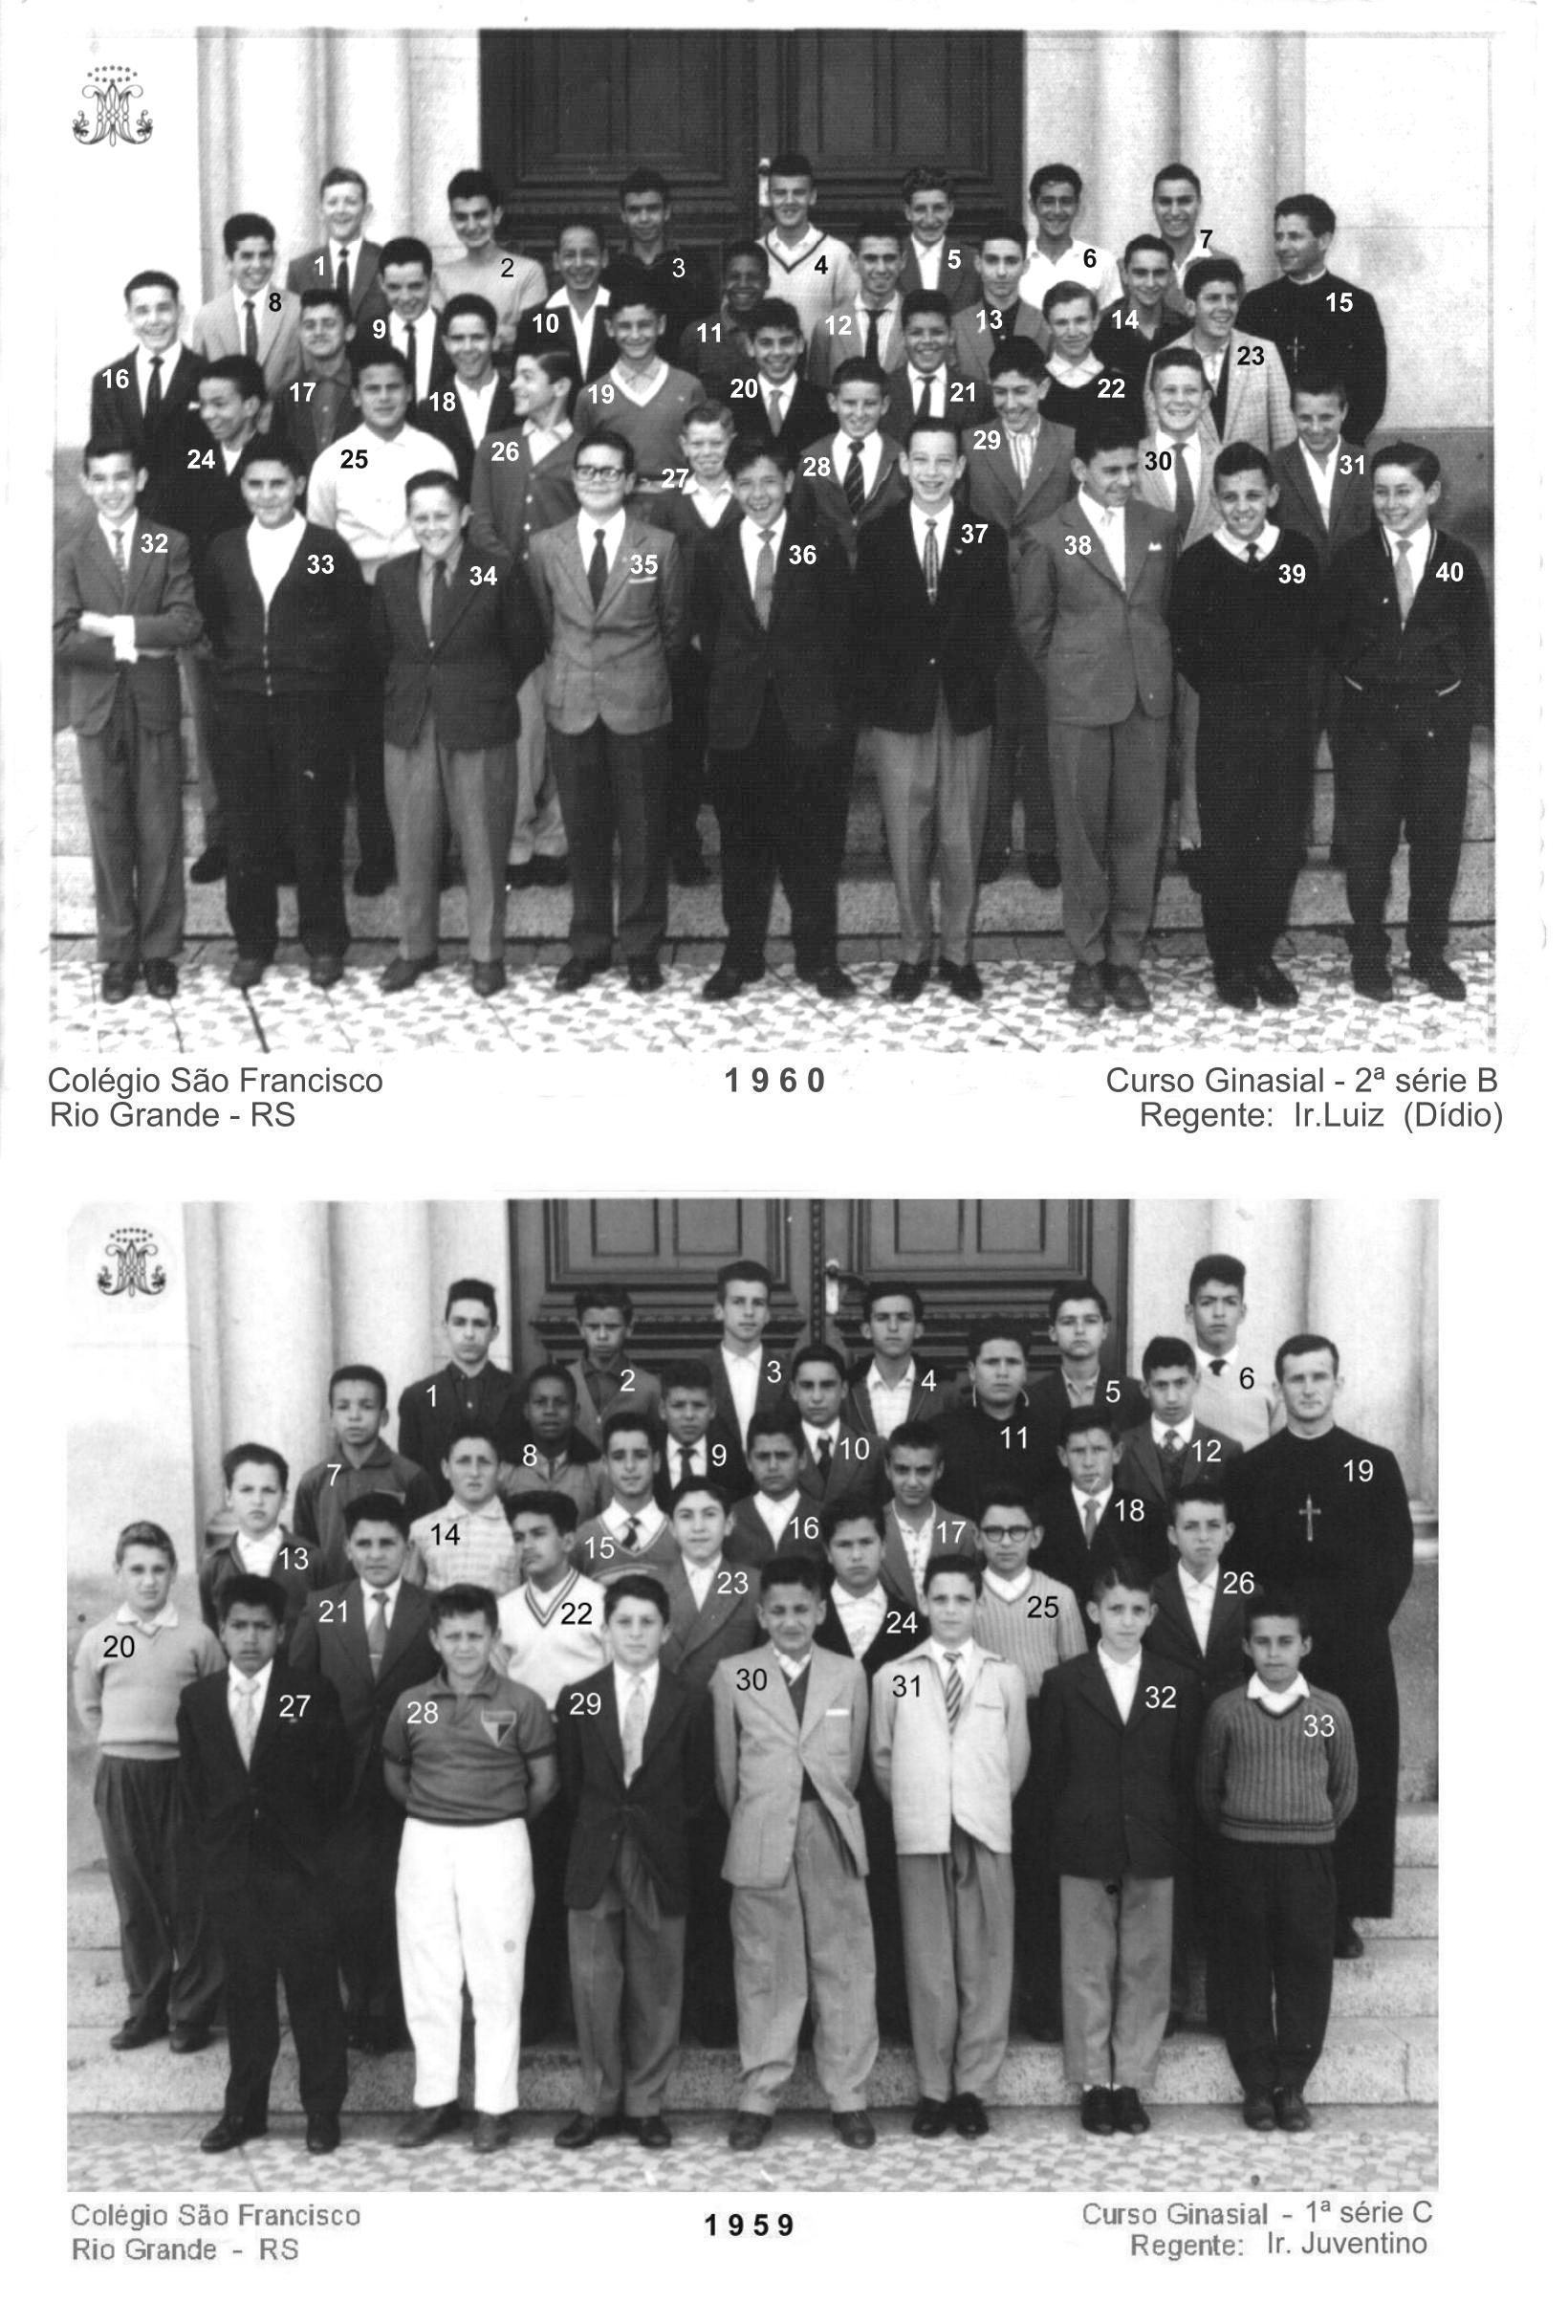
[132, 1251]
[113, 88]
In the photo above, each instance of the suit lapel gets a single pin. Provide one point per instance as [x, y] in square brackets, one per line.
[1097, 1690]
[620, 573]
[661, 1715]
[607, 1725]
[1137, 545]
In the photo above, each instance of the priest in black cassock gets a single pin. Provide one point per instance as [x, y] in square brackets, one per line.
[1321, 1511]
[1317, 320]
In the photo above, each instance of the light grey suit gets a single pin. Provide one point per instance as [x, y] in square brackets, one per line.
[216, 331]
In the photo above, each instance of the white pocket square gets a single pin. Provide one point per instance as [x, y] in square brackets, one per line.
[835, 1711]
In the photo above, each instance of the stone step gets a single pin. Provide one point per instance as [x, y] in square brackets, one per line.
[1011, 906]
[1415, 1833]
[1386, 2061]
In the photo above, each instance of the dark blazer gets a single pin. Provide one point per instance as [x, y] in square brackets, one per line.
[291, 1795]
[303, 1569]
[157, 590]
[330, 1638]
[546, 329]
[324, 417]
[925, 1403]
[515, 498]
[821, 495]
[700, 1637]
[977, 1451]
[726, 1462]
[1118, 1799]
[801, 657]
[425, 1426]
[1121, 346]
[656, 1809]
[489, 637]
[905, 644]
[773, 1390]
[856, 1466]
[115, 410]
[903, 1629]
[960, 284]
[203, 501]
[1221, 1663]
[1064, 1554]
[1048, 1394]
[1102, 648]
[810, 415]
[967, 401]
[1208, 1454]
[1350, 499]
[752, 1542]
[365, 295]
[313, 633]
[442, 415]
[1439, 666]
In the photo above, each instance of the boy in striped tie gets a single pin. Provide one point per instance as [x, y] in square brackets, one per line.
[949, 1748]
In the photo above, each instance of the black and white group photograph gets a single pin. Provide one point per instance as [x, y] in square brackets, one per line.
[659, 539]
[680, 1693]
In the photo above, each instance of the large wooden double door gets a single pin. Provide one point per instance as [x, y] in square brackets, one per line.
[970, 1258]
[565, 115]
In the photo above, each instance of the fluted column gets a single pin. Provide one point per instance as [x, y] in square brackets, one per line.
[381, 1275]
[1290, 140]
[1134, 131]
[204, 1308]
[1164, 1239]
[274, 1324]
[1059, 115]
[370, 123]
[444, 78]
[471, 1239]
[1424, 1493]
[1272, 1239]
[1366, 1293]
[123, 1394]
[262, 103]
[1227, 135]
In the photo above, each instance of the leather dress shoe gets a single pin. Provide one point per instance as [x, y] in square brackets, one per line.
[991, 866]
[930, 2117]
[687, 869]
[1279, 991]
[487, 978]
[400, 974]
[231, 2130]
[138, 2032]
[910, 981]
[971, 2120]
[1257, 2111]
[651, 2130]
[326, 969]
[962, 981]
[373, 879]
[1127, 990]
[119, 980]
[491, 2133]
[747, 2131]
[1373, 982]
[1045, 871]
[212, 864]
[163, 978]
[322, 2135]
[644, 976]
[1291, 2110]
[1127, 2111]
[573, 974]
[186, 2039]
[581, 2130]
[854, 2129]
[725, 981]
[1095, 2111]
[1347, 1941]
[247, 971]
[1086, 989]
[1236, 988]
[834, 983]
[1435, 974]
[551, 871]
[428, 2122]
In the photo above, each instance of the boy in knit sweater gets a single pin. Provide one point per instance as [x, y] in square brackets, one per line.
[1242, 626]
[1276, 1778]
[127, 1682]
[641, 395]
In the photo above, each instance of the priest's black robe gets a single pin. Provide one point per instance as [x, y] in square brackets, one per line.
[1328, 325]
[1330, 1515]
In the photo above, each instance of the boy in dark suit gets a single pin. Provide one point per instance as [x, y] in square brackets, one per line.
[777, 1517]
[573, 320]
[455, 636]
[1243, 620]
[1200, 1623]
[637, 1766]
[1080, 1326]
[1326, 494]
[468, 1389]
[1134, 327]
[1115, 1738]
[889, 1386]
[926, 384]
[1087, 1517]
[851, 477]
[146, 398]
[694, 1444]
[476, 399]
[866, 1618]
[1170, 1449]
[286, 612]
[770, 397]
[123, 605]
[932, 620]
[254, 1540]
[1407, 627]
[345, 261]
[413, 324]
[993, 1433]
[267, 1766]
[867, 324]
[932, 260]
[772, 608]
[1091, 589]
[839, 1460]
[372, 1639]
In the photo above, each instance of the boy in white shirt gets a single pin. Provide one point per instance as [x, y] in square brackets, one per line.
[917, 1526]
[815, 271]
[1238, 1397]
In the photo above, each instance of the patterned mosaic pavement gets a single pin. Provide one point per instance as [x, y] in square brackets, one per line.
[1024, 1009]
[1030, 2150]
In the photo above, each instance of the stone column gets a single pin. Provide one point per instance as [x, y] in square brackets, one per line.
[204, 1306]
[275, 1326]
[472, 1238]
[1272, 1241]
[124, 1393]
[369, 123]
[1367, 1292]
[1164, 1239]
[1227, 135]
[443, 80]
[380, 1271]
[1136, 113]
[1059, 114]
[1290, 141]
[1424, 1489]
